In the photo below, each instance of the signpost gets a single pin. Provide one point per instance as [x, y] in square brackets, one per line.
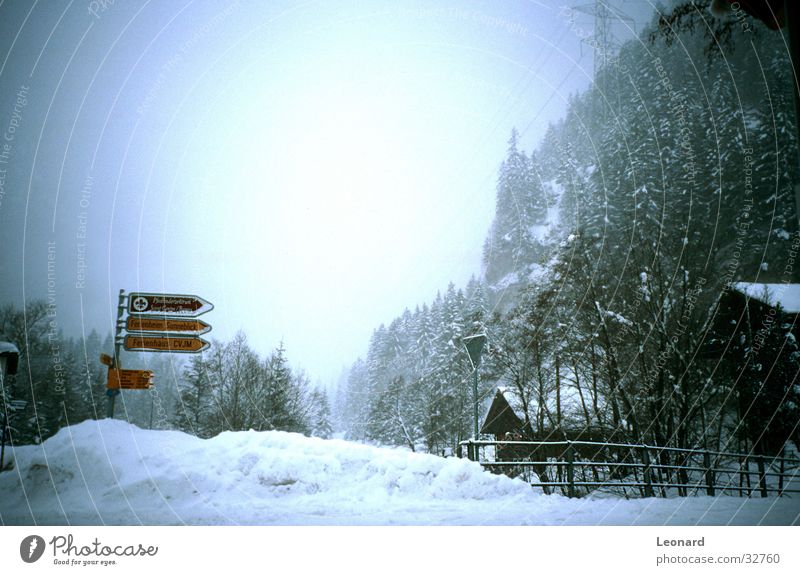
[156, 322]
[137, 323]
[159, 343]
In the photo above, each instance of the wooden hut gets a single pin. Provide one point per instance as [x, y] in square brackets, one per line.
[747, 318]
[507, 420]
[506, 417]
[9, 358]
[743, 309]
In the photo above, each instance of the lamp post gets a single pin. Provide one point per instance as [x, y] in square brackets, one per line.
[474, 345]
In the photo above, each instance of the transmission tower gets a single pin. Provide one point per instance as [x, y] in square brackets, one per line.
[604, 42]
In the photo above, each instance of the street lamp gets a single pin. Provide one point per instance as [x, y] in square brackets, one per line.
[474, 345]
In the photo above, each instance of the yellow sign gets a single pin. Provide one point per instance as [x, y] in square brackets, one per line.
[165, 343]
[182, 326]
[129, 379]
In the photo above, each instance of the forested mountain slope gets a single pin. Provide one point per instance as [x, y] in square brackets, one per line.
[613, 246]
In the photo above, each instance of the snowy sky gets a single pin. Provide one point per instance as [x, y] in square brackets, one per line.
[312, 168]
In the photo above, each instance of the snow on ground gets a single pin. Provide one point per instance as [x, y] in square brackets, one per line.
[110, 472]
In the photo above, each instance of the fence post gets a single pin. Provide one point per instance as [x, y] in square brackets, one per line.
[747, 476]
[741, 477]
[683, 476]
[709, 473]
[648, 481]
[780, 477]
[762, 476]
[570, 470]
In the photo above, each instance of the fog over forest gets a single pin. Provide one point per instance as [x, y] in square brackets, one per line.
[311, 208]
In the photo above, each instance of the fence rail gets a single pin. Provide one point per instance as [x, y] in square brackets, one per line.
[575, 467]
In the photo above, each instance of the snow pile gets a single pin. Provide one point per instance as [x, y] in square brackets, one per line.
[110, 472]
[278, 463]
[116, 472]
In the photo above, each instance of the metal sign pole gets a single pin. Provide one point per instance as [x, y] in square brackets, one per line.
[112, 393]
[3, 449]
[5, 412]
[474, 346]
[152, 403]
[475, 404]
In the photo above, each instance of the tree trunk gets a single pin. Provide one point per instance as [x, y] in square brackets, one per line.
[558, 396]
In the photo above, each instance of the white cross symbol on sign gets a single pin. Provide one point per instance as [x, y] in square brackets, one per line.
[140, 303]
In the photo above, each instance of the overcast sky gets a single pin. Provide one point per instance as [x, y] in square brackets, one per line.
[312, 168]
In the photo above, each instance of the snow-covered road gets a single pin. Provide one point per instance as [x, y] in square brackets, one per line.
[110, 472]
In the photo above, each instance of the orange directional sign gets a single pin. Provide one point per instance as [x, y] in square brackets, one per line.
[165, 343]
[129, 379]
[168, 304]
[171, 324]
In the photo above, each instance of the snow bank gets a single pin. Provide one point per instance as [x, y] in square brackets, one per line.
[116, 472]
[110, 472]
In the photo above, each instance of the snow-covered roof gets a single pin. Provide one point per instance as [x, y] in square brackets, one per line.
[788, 295]
[8, 347]
[514, 401]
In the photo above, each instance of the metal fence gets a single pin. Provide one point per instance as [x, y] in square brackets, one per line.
[575, 468]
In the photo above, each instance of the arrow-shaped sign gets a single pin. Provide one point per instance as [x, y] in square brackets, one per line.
[180, 326]
[165, 343]
[167, 304]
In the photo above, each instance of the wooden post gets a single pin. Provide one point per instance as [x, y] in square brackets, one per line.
[709, 473]
[762, 476]
[648, 480]
[570, 471]
[780, 477]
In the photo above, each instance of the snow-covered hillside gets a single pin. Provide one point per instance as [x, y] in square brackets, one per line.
[110, 472]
